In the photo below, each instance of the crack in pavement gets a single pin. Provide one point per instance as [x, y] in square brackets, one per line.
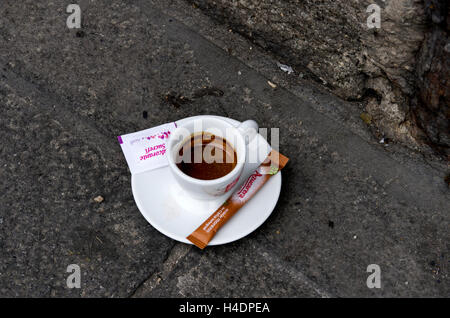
[176, 254]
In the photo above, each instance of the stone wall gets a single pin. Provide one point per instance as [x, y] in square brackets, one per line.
[431, 103]
[330, 42]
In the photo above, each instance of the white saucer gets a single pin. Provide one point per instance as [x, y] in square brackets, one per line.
[173, 213]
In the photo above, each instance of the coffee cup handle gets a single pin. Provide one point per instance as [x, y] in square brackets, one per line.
[248, 129]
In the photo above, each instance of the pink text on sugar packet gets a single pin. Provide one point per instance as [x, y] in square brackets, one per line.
[248, 184]
[157, 147]
[150, 152]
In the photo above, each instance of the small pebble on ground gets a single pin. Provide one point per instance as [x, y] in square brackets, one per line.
[99, 199]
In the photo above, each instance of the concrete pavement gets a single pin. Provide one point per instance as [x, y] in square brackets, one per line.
[347, 201]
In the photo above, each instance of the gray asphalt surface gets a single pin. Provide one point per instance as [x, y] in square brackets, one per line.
[347, 201]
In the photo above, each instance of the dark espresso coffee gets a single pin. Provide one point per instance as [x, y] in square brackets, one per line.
[206, 157]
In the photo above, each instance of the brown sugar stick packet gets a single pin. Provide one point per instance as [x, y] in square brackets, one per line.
[205, 232]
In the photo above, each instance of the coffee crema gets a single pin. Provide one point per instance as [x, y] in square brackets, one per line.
[206, 157]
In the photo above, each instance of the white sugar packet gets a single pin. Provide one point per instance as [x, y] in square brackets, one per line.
[147, 149]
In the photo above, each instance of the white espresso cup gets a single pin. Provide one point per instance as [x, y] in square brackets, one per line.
[237, 136]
